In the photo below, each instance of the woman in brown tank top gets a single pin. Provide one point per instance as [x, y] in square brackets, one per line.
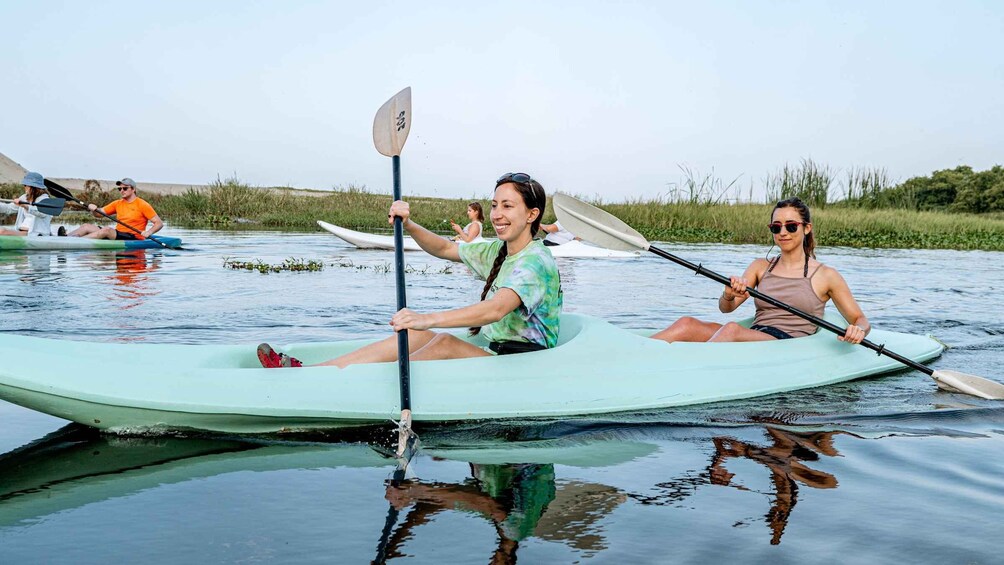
[794, 277]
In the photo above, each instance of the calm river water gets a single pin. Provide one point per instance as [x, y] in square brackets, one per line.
[875, 471]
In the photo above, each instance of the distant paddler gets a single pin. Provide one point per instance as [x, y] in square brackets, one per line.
[33, 217]
[473, 230]
[556, 235]
[130, 210]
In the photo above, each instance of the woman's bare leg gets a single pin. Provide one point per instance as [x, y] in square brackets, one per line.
[688, 329]
[382, 351]
[5, 231]
[734, 332]
[447, 346]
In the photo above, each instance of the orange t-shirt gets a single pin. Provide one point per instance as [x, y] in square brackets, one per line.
[135, 213]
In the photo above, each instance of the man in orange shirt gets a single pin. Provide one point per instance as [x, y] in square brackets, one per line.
[131, 210]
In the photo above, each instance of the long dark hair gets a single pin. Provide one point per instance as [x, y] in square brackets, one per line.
[533, 197]
[808, 240]
[34, 193]
[476, 206]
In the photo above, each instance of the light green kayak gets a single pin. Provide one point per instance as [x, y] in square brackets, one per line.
[597, 368]
[30, 243]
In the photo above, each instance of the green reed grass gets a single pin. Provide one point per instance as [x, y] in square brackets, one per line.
[234, 205]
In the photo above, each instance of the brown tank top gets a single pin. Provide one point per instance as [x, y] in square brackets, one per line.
[794, 292]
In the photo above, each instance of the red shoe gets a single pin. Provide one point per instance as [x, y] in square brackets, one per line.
[287, 361]
[268, 357]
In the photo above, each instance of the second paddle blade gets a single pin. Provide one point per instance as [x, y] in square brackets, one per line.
[954, 381]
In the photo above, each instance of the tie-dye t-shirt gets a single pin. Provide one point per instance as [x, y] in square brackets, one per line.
[533, 275]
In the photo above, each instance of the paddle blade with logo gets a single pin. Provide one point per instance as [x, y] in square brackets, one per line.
[392, 124]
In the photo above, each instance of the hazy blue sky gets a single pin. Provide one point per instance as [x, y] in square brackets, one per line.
[596, 98]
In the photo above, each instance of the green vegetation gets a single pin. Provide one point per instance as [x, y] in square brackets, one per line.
[296, 265]
[923, 212]
[292, 264]
[956, 190]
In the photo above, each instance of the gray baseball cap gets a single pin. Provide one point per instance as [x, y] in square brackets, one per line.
[126, 182]
[33, 180]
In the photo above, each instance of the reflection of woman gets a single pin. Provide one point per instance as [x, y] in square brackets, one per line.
[472, 231]
[29, 220]
[784, 459]
[514, 497]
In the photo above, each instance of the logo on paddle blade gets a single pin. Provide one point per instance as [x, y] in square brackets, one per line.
[401, 121]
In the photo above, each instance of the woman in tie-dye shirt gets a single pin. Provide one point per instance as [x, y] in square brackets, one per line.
[520, 305]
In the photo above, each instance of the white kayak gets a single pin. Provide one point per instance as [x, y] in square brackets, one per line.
[576, 249]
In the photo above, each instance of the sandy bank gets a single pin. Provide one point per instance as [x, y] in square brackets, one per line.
[13, 172]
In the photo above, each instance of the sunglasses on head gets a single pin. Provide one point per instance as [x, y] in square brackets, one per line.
[792, 227]
[518, 178]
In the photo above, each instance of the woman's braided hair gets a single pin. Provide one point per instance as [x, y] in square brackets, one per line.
[534, 197]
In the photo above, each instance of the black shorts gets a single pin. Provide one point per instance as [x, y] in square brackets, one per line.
[125, 235]
[510, 347]
[771, 331]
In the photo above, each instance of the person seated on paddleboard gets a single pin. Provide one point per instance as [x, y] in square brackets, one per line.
[794, 277]
[472, 231]
[556, 234]
[29, 219]
[130, 210]
[520, 303]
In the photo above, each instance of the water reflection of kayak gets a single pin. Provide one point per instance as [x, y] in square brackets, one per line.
[597, 368]
[572, 249]
[76, 466]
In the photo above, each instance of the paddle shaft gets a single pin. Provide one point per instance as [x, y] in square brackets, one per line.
[403, 361]
[65, 193]
[700, 270]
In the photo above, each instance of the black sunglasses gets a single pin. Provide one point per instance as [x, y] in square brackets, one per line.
[518, 178]
[792, 227]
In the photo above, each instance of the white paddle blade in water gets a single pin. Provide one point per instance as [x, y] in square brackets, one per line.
[954, 381]
[392, 124]
[596, 226]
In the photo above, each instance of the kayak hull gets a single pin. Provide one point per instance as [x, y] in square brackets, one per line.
[223, 388]
[29, 243]
[572, 249]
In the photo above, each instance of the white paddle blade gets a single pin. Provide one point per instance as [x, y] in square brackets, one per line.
[392, 124]
[954, 381]
[596, 226]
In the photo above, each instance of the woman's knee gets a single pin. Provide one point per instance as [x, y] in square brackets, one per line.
[687, 322]
[729, 332]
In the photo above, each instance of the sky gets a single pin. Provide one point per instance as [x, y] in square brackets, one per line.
[610, 100]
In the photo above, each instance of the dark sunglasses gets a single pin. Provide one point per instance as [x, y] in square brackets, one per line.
[792, 227]
[518, 178]
[121, 188]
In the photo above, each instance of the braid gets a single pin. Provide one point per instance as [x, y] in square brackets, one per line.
[499, 259]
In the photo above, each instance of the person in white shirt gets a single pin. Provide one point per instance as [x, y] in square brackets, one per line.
[556, 235]
[30, 221]
[472, 231]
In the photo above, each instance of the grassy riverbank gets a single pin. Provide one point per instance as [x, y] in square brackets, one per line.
[231, 205]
